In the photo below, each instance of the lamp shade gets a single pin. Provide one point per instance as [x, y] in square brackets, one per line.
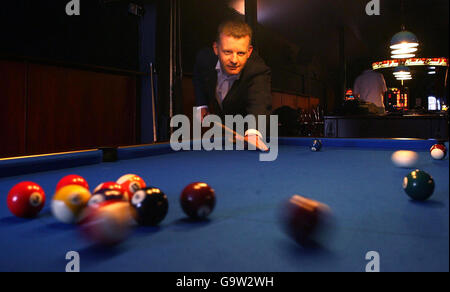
[402, 69]
[402, 73]
[404, 40]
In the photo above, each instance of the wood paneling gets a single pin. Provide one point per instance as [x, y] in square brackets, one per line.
[12, 108]
[74, 109]
[314, 102]
[277, 100]
[290, 100]
[303, 103]
[47, 108]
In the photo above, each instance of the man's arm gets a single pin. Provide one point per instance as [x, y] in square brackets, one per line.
[260, 95]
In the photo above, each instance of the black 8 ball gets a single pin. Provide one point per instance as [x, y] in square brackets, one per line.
[198, 200]
[151, 206]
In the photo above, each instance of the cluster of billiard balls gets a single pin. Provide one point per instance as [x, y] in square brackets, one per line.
[107, 214]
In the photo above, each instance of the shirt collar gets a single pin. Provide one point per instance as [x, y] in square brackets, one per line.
[225, 75]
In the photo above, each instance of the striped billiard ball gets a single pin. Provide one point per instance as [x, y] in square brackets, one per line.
[438, 151]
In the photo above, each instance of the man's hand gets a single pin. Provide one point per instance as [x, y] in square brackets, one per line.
[203, 113]
[257, 142]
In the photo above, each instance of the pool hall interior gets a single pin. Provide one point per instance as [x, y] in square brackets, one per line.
[91, 87]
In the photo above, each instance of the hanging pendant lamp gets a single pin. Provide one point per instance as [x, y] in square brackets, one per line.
[404, 44]
[402, 73]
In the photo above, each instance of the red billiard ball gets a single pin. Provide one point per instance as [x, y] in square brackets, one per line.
[110, 185]
[26, 199]
[130, 184]
[306, 221]
[108, 223]
[72, 179]
[198, 200]
[438, 151]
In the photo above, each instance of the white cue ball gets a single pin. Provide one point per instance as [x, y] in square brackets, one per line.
[405, 158]
[437, 154]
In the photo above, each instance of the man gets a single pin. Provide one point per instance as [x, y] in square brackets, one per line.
[230, 79]
[370, 87]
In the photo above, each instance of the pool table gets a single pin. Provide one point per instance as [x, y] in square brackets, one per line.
[354, 177]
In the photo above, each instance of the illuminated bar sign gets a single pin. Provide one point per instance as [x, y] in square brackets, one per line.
[438, 62]
[416, 62]
[385, 64]
[411, 62]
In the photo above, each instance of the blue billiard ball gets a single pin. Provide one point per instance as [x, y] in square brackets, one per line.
[316, 145]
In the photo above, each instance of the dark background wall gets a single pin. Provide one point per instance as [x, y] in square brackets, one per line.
[105, 34]
[72, 82]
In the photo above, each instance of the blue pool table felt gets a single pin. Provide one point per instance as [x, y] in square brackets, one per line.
[361, 186]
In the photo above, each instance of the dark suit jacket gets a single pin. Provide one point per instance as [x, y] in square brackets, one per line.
[250, 95]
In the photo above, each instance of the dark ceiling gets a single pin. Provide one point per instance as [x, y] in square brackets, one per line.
[314, 24]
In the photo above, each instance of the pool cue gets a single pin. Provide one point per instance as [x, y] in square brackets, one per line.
[237, 136]
[171, 63]
[155, 137]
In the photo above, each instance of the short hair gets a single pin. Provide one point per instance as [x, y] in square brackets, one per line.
[235, 28]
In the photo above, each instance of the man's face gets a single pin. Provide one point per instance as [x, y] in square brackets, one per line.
[233, 53]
